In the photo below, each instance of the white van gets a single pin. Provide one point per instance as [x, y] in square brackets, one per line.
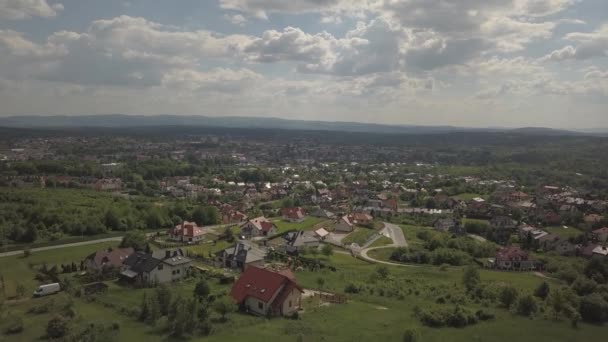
[48, 289]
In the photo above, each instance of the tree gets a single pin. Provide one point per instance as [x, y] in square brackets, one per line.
[382, 271]
[526, 305]
[198, 216]
[30, 234]
[224, 306]
[57, 327]
[561, 301]
[411, 335]
[154, 312]
[320, 282]
[471, 278]
[594, 308]
[111, 220]
[507, 296]
[144, 309]
[163, 296]
[327, 250]
[201, 290]
[136, 239]
[542, 291]
[212, 215]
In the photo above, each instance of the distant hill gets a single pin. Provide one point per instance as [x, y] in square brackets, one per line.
[125, 121]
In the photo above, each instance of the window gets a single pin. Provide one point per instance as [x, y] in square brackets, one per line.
[173, 272]
[160, 267]
[177, 271]
[260, 305]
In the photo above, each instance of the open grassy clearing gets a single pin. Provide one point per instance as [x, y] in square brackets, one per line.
[564, 232]
[360, 236]
[383, 241]
[308, 224]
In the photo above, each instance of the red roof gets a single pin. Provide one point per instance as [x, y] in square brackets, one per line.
[511, 253]
[111, 257]
[603, 230]
[293, 213]
[261, 284]
[187, 229]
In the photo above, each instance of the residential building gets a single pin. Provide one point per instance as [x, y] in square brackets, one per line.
[344, 225]
[159, 267]
[187, 232]
[240, 256]
[107, 258]
[258, 227]
[266, 293]
[513, 258]
[293, 214]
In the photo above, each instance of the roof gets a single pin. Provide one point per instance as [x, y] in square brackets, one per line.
[603, 230]
[261, 284]
[261, 223]
[511, 252]
[187, 229]
[293, 213]
[321, 232]
[141, 262]
[111, 257]
[244, 252]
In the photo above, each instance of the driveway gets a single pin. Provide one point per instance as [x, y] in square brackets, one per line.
[395, 233]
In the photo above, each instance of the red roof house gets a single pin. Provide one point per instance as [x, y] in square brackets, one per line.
[264, 292]
[108, 258]
[187, 232]
[513, 258]
[293, 214]
[259, 226]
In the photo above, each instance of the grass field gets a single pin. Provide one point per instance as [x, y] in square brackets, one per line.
[383, 241]
[18, 270]
[381, 311]
[360, 236]
[564, 232]
[308, 224]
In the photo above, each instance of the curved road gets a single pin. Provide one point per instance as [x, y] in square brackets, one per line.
[395, 233]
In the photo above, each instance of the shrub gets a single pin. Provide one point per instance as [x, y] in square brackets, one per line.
[411, 335]
[15, 326]
[57, 327]
[542, 291]
[526, 305]
[483, 315]
[507, 296]
[594, 308]
[456, 317]
[351, 288]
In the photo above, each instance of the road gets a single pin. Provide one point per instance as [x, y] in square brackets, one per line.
[395, 233]
[67, 245]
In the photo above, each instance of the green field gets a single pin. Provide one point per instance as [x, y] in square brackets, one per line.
[564, 232]
[383, 241]
[382, 310]
[360, 236]
[308, 224]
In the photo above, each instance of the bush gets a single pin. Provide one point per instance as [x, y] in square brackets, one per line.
[15, 326]
[57, 327]
[507, 296]
[411, 335]
[483, 315]
[456, 317]
[594, 308]
[351, 288]
[526, 305]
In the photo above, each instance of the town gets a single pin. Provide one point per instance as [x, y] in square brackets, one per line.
[254, 234]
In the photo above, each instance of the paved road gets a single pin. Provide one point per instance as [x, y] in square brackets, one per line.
[74, 244]
[395, 233]
[67, 245]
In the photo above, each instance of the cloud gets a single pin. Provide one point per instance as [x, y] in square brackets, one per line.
[588, 45]
[262, 8]
[216, 80]
[236, 19]
[26, 9]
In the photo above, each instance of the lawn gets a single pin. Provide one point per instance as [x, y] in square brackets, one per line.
[360, 236]
[382, 241]
[308, 224]
[564, 232]
[18, 270]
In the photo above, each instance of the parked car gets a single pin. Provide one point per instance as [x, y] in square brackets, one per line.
[48, 289]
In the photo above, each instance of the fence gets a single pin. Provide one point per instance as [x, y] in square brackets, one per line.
[333, 298]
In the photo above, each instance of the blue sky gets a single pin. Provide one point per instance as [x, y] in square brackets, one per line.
[479, 63]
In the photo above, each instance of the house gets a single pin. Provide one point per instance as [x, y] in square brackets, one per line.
[513, 258]
[601, 251]
[600, 235]
[293, 214]
[186, 232]
[259, 226]
[592, 219]
[322, 213]
[445, 224]
[321, 233]
[266, 293]
[587, 251]
[344, 225]
[107, 258]
[548, 241]
[503, 222]
[361, 218]
[299, 240]
[240, 256]
[564, 247]
[159, 267]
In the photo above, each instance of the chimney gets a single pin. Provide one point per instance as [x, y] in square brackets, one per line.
[174, 253]
[167, 254]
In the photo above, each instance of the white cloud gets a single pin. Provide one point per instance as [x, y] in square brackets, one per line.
[588, 45]
[26, 9]
[216, 80]
[236, 19]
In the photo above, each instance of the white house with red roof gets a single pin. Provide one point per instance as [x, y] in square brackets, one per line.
[259, 226]
[513, 258]
[293, 214]
[264, 292]
[187, 232]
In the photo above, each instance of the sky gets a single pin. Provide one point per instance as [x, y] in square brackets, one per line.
[475, 63]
